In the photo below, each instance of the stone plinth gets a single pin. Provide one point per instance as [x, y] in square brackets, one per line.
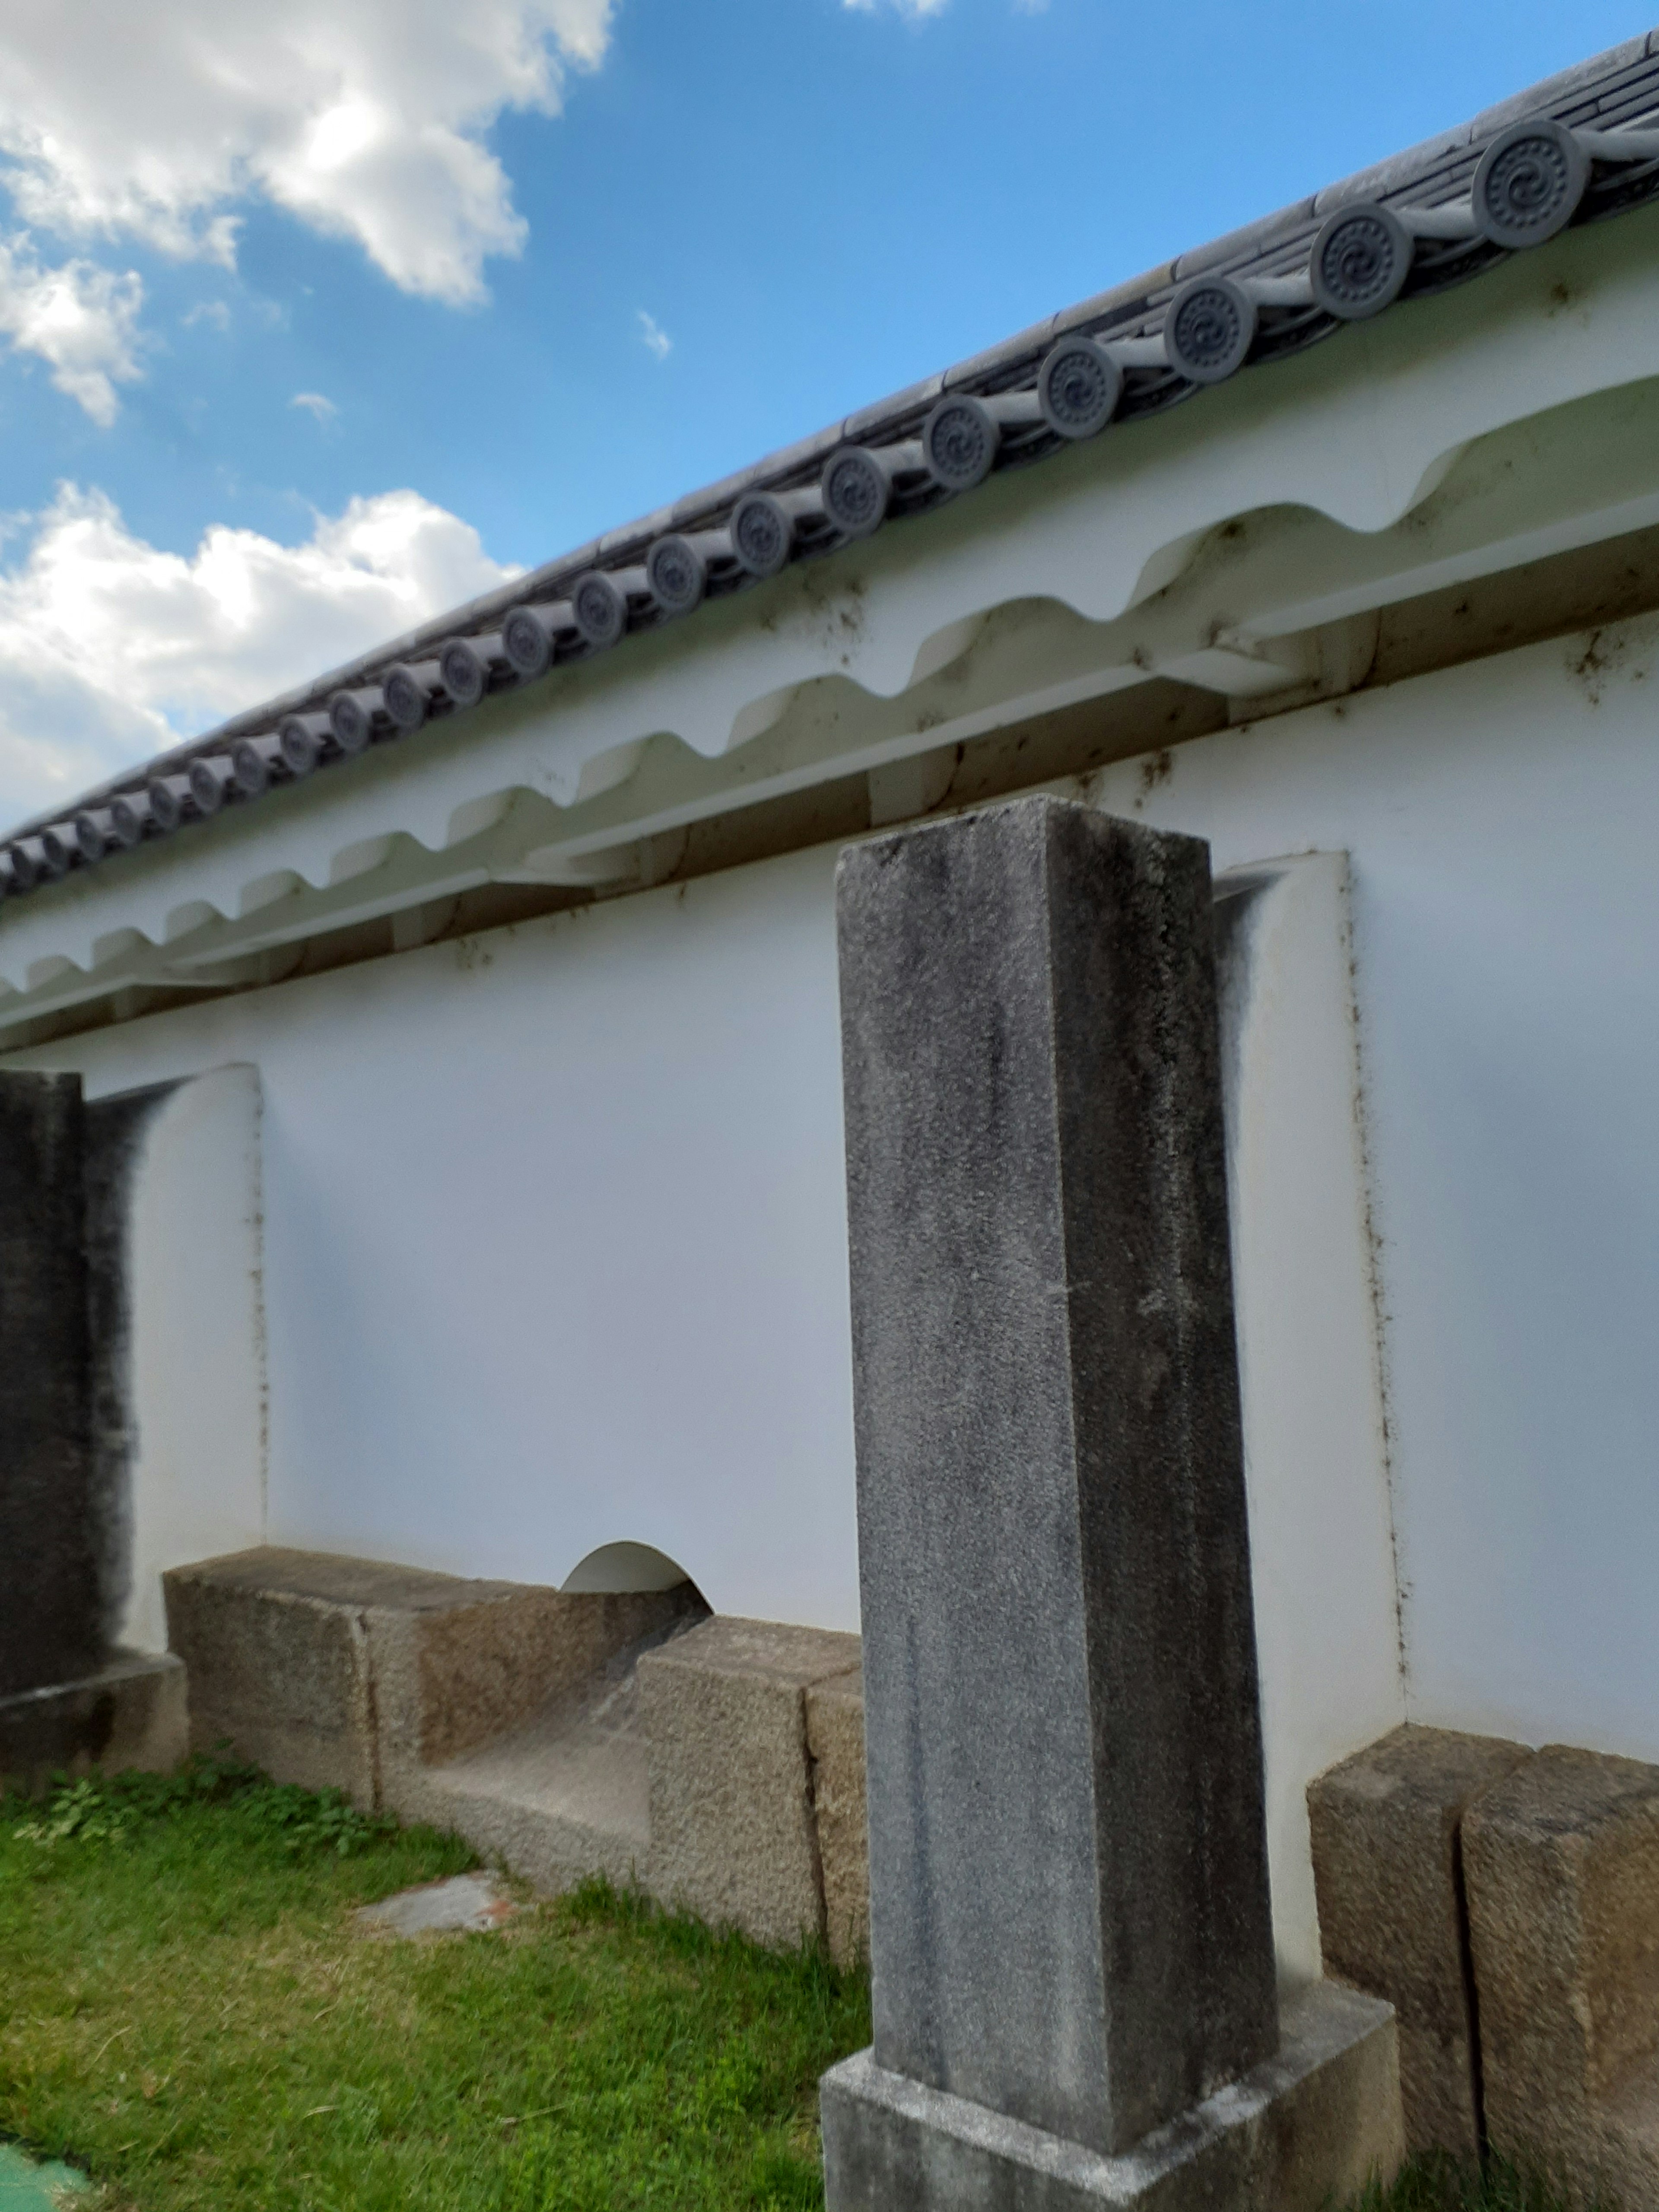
[1302, 2132]
[1388, 1868]
[1562, 1866]
[1069, 1915]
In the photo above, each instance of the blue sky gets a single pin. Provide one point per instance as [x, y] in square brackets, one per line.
[440, 227]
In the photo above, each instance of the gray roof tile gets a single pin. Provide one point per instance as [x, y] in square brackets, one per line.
[1125, 301]
[1245, 244]
[871, 424]
[1558, 93]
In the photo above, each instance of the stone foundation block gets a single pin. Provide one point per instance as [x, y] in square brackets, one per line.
[355, 1675]
[733, 1837]
[1561, 1863]
[132, 1713]
[834, 1745]
[1388, 1871]
[1305, 2129]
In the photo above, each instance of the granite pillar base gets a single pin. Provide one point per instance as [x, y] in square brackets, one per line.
[1304, 2130]
[133, 1712]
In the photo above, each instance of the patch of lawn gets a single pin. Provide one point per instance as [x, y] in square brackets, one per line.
[188, 2013]
[1445, 2185]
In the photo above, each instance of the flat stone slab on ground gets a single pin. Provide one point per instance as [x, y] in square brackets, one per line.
[26, 2187]
[466, 1901]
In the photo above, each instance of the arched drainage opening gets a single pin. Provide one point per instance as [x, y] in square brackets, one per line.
[619, 1568]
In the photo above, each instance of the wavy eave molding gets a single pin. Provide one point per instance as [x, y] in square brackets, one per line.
[1218, 547]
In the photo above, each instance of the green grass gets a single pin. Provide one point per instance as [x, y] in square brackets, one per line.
[188, 2013]
[1440, 2184]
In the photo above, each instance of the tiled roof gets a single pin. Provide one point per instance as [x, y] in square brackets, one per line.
[1569, 151]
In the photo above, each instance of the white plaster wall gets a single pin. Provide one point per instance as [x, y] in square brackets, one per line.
[555, 1244]
[554, 1247]
[196, 1359]
[1321, 1549]
[1502, 821]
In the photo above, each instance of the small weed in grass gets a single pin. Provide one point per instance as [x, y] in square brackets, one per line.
[189, 2012]
[99, 1810]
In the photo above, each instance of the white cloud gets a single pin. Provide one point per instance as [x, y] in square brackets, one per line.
[656, 338]
[314, 404]
[111, 648]
[80, 319]
[916, 10]
[208, 311]
[365, 118]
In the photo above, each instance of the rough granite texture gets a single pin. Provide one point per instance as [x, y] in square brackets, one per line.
[733, 1837]
[1069, 1912]
[563, 1796]
[1561, 1862]
[354, 1673]
[834, 1745]
[626, 1735]
[133, 1712]
[52, 1620]
[1305, 2129]
[1388, 1869]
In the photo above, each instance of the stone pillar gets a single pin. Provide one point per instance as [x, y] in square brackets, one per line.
[67, 1698]
[1070, 1929]
[51, 1623]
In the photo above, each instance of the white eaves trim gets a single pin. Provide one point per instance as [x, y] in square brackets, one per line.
[1456, 437]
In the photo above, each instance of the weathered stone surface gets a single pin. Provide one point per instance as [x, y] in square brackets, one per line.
[1388, 1869]
[565, 1794]
[1561, 1864]
[1303, 2130]
[732, 1833]
[1069, 1915]
[278, 1670]
[469, 1904]
[356, 1675]
[52, 1621]
[453, 1672]
[132, 1712]
[568, 1733]
[834, 1744]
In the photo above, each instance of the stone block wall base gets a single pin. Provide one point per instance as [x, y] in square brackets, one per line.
[718, 1762]
[354, 1673]
[1562, 1859]
[1307, 2129]
[734, 1829]
[1385, 1828]
[132, 1712]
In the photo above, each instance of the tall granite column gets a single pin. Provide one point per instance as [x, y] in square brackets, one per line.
[51, 1619]
[68, 1699]
[1069, 1918]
